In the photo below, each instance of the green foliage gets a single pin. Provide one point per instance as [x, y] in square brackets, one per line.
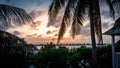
[12, 57]
[104, 55]
[81, 57]
[117, 46]
[12, 51]
[52, 57]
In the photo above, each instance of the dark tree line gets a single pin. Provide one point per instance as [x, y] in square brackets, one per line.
[51, 57]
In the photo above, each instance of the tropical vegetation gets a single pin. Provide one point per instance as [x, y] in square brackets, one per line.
[51, 57]
[19, 54]
[74, 14]
[14, 51]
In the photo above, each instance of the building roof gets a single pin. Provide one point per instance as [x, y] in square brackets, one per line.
[115, 30]
[112, 31]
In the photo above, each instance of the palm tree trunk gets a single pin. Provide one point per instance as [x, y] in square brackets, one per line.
[94, 53]
[92, 29]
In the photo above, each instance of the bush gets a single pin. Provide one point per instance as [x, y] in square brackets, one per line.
[52, 57]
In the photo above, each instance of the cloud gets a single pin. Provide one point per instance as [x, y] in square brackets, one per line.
[16, 32]
[56, 22]
[105, 25]
[34, 14]
[85, 31]
[56, 35]
[32, 35]
[35, 25]
[49, 32]
[39, 36]
[55, 30]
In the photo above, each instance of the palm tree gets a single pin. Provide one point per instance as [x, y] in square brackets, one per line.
[74, 15]
[11, 16]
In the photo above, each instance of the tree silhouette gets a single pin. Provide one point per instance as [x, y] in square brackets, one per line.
[74, 15]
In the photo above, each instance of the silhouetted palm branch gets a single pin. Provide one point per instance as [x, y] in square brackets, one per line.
[66, 21]
[11, 16]
[76, 11]
[116, 4]
[78, 17]
[112, 12]
[117, 23]
[97, 21]
[54, 8]
[82, 7]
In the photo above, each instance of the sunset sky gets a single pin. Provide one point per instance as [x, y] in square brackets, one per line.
[44, 31]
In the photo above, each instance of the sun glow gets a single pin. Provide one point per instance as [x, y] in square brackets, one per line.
[42, 28]
[38, 33]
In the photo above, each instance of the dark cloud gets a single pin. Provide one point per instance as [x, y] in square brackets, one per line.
[105, 25]
[56, 35]
[39, 36]
[49, 32]
[85, 32]
[16, 32]
[56, 22]
[106, 13]
[33, 35]
[35, 25]
[55, 30]
[34, 14]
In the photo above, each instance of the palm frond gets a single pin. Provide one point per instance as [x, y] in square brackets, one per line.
[95, 18]
[61, 32]
[10, 16]
[97, 22]
[75, 28]
[54, 8]
[112, 12]
[78, 17]
[116, 5]
[117, 23]
[66, 21]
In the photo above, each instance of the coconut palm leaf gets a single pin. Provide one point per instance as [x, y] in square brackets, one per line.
[110, 5]
[97, 21]
[117, 23]
[11, 16]
[81, 7]
[54, 8]
[66, 21]
[78, 18]
[116, 4]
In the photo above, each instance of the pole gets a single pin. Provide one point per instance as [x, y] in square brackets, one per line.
[113, 51]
